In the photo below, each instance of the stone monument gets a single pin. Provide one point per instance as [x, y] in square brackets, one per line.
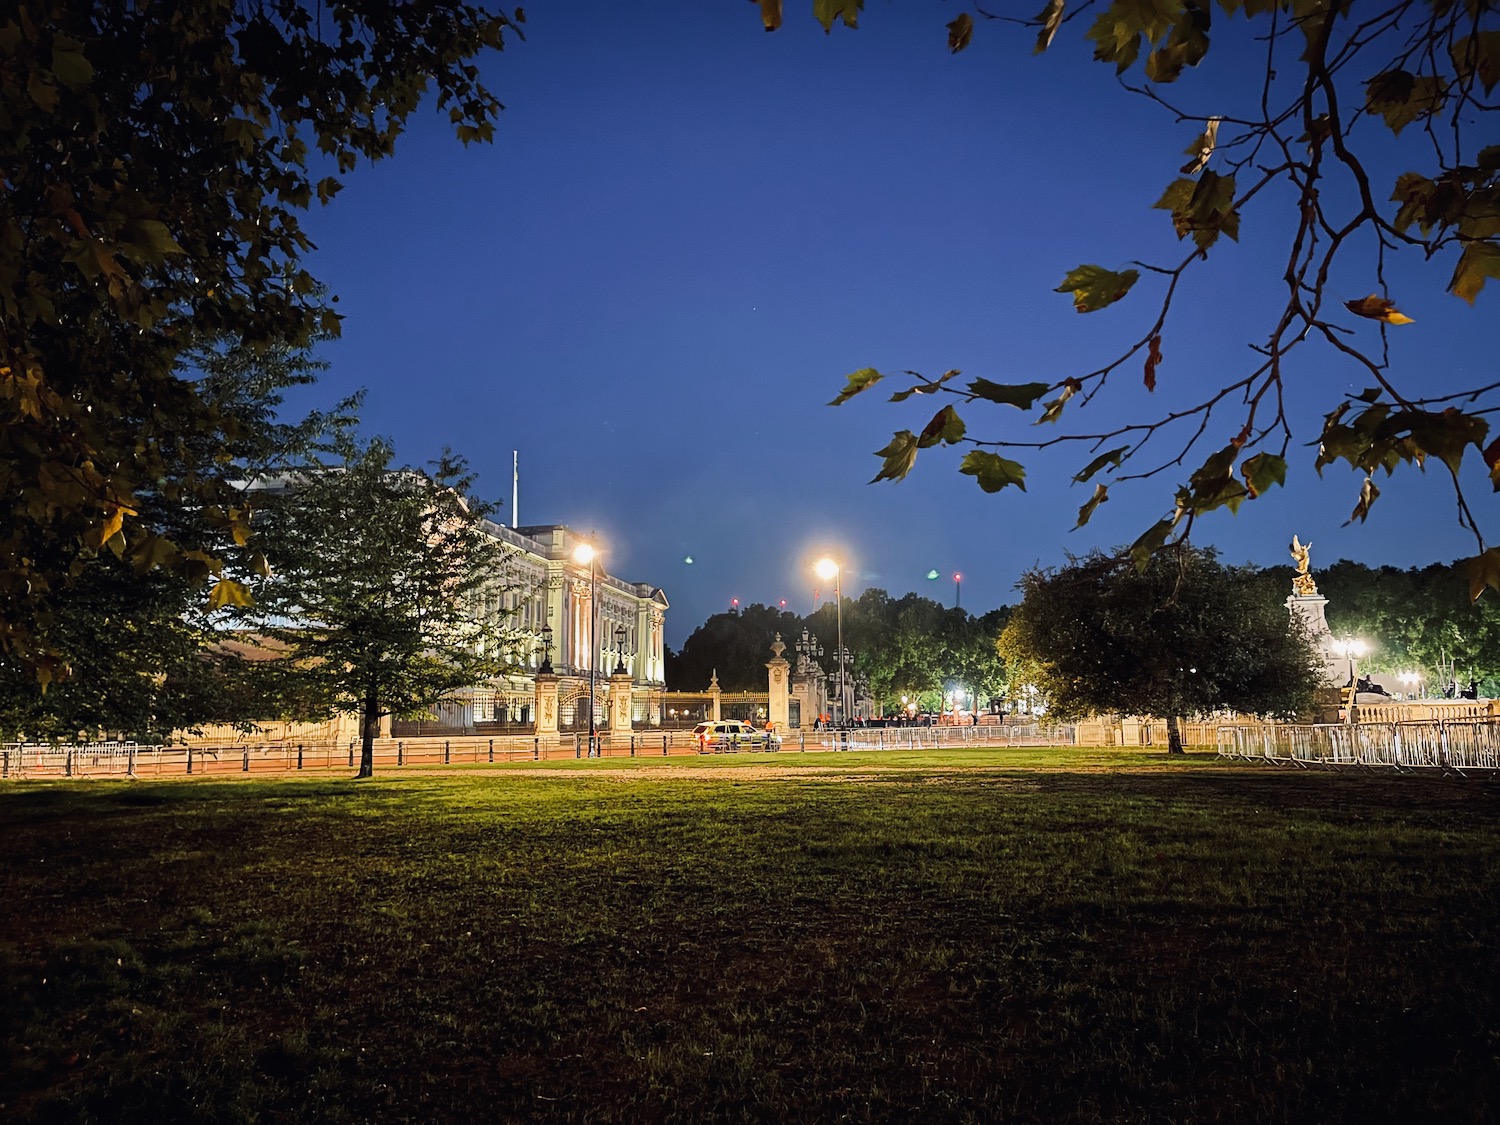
[1307, 604]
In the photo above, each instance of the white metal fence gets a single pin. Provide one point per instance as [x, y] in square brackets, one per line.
[1454, 745]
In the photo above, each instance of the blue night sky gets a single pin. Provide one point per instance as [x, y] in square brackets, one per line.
[688, 232]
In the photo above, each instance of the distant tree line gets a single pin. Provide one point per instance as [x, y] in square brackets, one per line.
[1418, 620]
[908, 645]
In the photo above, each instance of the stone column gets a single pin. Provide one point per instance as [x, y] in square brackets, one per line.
[619, 704]
[713, 687]
[546, 704]
[779, 685]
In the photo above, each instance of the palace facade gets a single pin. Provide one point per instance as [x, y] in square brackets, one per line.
[549, 605]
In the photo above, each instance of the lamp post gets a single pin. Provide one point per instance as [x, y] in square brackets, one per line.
[619, 650]
[827, 568]
[546, 666]
[1351, 649]
[585, 555]
[957, 585]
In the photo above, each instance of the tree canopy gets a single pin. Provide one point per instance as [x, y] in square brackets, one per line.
[154, 157]
[1303, 156]
[1183, 636]
[385, 595]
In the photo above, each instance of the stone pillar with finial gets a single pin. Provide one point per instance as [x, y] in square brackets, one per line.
[779, 685]
[713, 689]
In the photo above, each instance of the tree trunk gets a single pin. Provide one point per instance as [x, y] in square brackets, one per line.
[369, 724]
[1174, 735]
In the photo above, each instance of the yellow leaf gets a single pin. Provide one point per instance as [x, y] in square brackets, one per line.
[1376, 307]
[1484, 572]
[227, 592]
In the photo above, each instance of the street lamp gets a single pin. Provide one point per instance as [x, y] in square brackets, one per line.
[826, 569]
[546, 668]
[585, 555]
[957, 584]
[619, 650]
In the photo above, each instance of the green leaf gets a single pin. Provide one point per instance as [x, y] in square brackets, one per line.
[899, 456]
[827, 12]
[70, 67]
[861, 380]
[1401, 97]
[1020, 395]
[1262, 471]
[946, 427]
[1447, 435]
[1150, 542]
[1101, 494]
[1094, 287]
[152, 237]
[1112, 459]
[992, 471]
[1478, 55]
[1484, 572]
[1480, 260]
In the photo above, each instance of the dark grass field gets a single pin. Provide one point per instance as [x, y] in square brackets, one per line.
[1047, 936]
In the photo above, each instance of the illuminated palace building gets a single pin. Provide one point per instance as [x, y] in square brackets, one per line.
[557, 576]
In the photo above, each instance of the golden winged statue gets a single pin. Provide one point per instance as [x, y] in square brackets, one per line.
[1302, 583]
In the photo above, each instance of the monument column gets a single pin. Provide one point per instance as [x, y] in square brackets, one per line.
[777, 709]
[713, 689]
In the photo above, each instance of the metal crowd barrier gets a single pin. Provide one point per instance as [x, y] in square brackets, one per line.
[1450, 745]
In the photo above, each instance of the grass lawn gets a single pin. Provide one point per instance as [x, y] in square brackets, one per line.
[1004, 935]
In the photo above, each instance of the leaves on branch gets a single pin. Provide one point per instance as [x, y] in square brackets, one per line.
[1262, 471]
[861, 380]
[1376, 307]
[899, 456]
[1153, 358]
[1050, 18]
[1101, 494]
[1212, 484]
[992, 471]
[1113, 459]
[1478, 56]
[1054, 409]
[1202, 208]
[946, 427]
[1202, 148]
[1401, 97]
[960, 31]
[1020, 395]
[924, 386]
[1094, 287]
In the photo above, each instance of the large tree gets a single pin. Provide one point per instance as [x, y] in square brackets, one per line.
[1362, 149]
[386, 594]
[1183, 636]
[139, 640]
[153, 158]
